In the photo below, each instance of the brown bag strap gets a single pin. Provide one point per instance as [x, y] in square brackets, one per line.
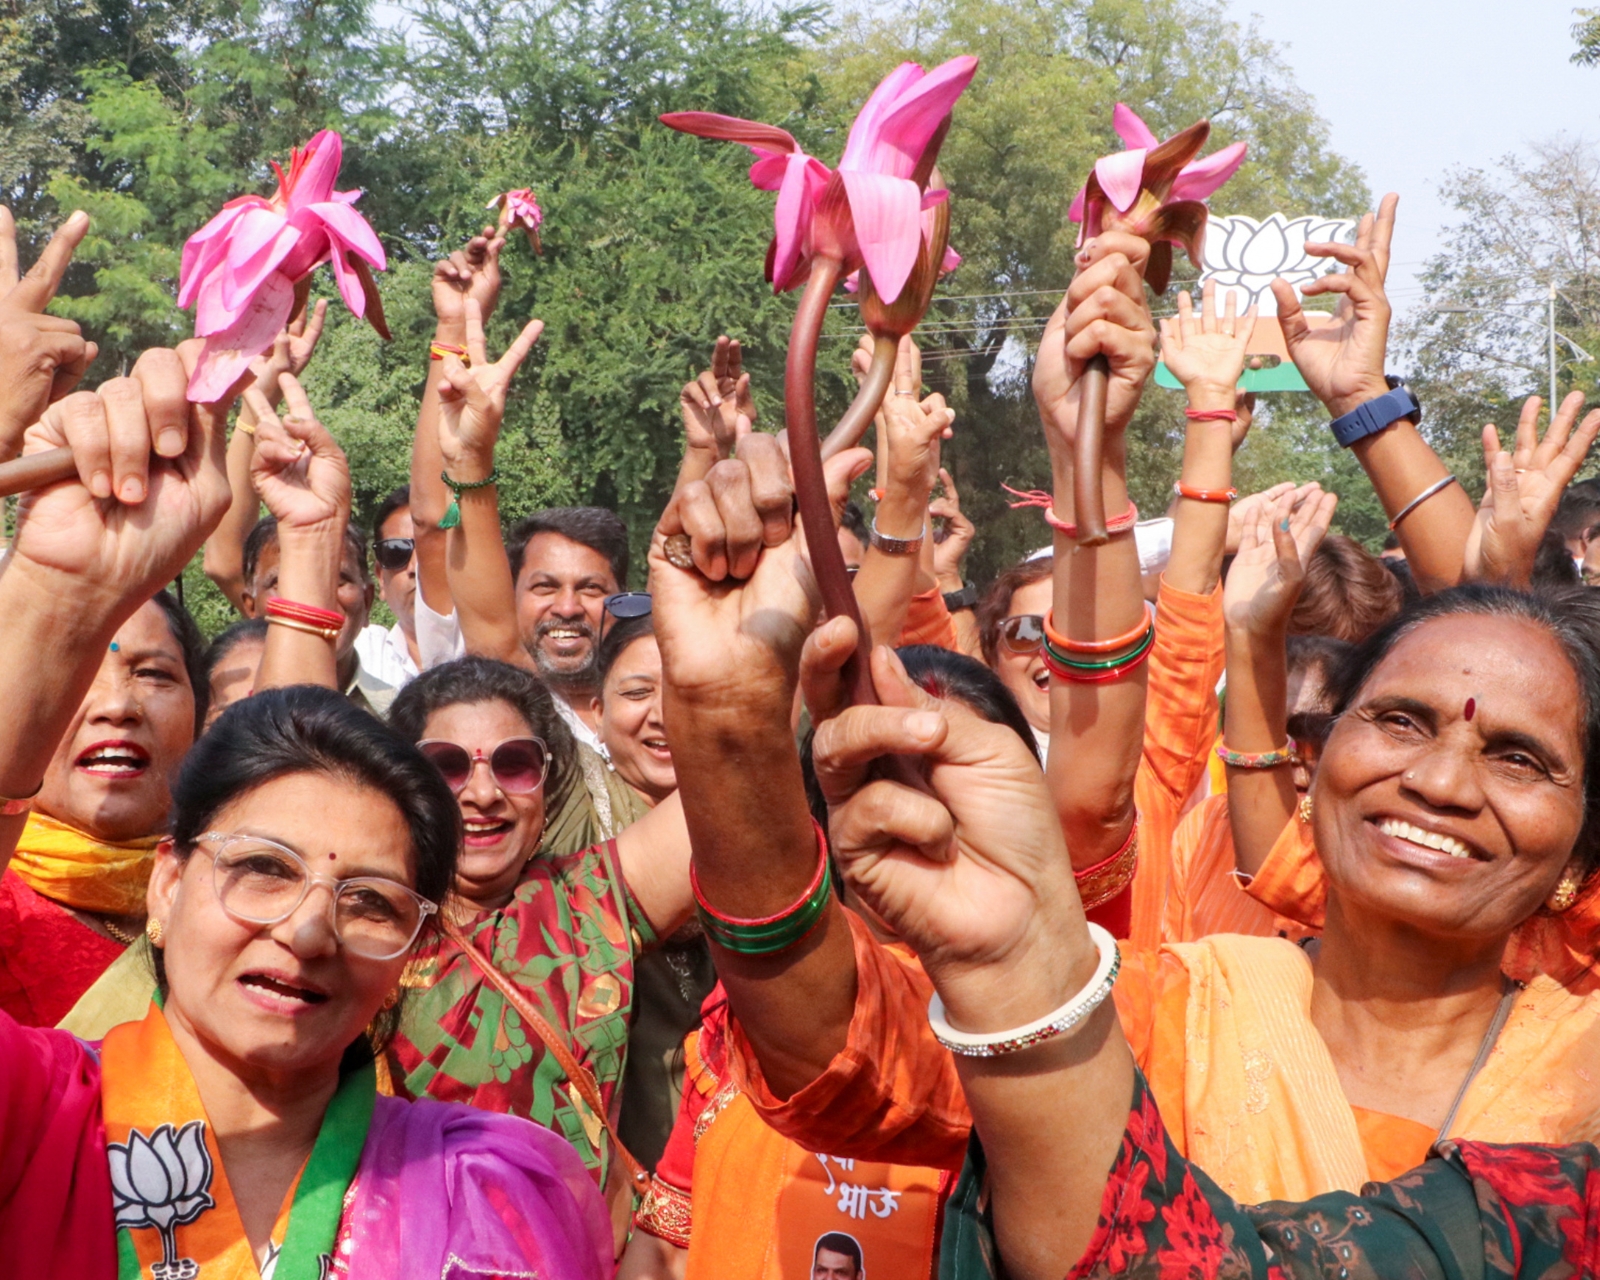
[577, 1075]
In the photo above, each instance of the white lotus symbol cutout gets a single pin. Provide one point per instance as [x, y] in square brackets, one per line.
[163, 1181]
[1243, 255]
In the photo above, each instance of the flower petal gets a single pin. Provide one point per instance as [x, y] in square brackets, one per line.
[886, 212]
[791, 219]
[314, 182]
[1133, 131]
[1120, 177]
[708, 124]
[908, 127]
[223, 360]
[145, 1168]
[1075, 211]
[862, 141]
[1200, 179]
[350, 228]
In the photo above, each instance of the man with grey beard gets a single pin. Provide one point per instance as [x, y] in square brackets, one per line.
[565, 561]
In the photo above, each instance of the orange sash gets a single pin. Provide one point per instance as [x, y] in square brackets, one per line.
[170, 1190]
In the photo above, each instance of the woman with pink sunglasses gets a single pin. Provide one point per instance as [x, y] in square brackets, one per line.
[538, 946]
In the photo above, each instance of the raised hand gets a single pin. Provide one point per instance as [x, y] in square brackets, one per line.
[123, 540]
[975, 876]
[298, 469]
[1104, 313]
[959, 532]
[912, 430]
[472, 271]
[1343, 362]
[290, 352]
[42, 357]
[1265, 578]
[1242, 513]
[472, 398]
[1525, 487]
[713, 402]
[1206, 352]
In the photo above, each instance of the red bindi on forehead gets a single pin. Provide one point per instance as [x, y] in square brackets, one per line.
[333, 857]
[1470, 710]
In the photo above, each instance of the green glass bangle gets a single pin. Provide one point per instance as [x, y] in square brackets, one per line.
[1102, 664]
[779, 934]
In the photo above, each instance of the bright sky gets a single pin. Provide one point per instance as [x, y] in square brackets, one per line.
[1414, 88]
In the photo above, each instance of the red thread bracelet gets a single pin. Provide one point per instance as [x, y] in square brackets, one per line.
[312, 614]
[1223, 496]
[1211, 415]
[1117, 524]
[741, 922]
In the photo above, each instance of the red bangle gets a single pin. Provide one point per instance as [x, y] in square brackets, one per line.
[1117, 524]
[1211, 415]
[1124, 641]
[756, 922]
[1110, 673]
[1223, 496]
[1098, 884]
[313, 615]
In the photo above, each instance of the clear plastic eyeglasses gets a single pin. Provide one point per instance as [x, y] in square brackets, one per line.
[260, 881]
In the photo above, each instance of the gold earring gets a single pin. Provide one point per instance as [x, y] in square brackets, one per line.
[154, 930]
[1566, 893]
[1305, 807]
[392, 999]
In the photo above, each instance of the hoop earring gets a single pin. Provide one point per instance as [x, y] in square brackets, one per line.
[1305, 808]
[155, 931]
[1566, 893]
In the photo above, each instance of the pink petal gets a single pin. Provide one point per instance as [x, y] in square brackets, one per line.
[950, 262]
[313, 249]
[767, 173]
[708, 124]
[1075, 212]
[315, 181]
[350, 227]
[888, 227]
[862, 142]
[1120, 176]
[1132, 130]
[203, 250]
[355, 297]
[1200, 179]
[791, 220]
[260, 241]
[228, 354]
[210, 314]
[909, 126]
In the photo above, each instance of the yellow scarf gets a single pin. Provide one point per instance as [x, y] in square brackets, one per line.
[67, 866]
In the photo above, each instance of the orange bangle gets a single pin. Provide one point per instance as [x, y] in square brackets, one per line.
[1204, 495]
[1125, 641]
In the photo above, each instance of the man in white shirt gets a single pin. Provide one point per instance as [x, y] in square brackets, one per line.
[419, 638]
[565, 561]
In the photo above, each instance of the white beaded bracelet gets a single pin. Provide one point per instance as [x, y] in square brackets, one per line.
[1054, 1024]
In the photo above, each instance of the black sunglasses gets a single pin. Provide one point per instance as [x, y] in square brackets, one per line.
[394, 553]
[629, 604]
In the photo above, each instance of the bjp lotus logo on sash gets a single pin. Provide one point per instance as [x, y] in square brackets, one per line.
[164, 1182]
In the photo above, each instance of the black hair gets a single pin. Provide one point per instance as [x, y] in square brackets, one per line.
[476, 679]
[264, 533]
[1553, 565]
[838, 1242]
[600, 530]
[853, 520]
[1572, 619]
[1579, 509]
[623, 633]
[1321, 654]
[192, 644]
[945, 674]
[401, 497]
[229, 639]
[308, 729]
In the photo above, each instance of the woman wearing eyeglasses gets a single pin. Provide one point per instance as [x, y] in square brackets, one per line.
[562, 930]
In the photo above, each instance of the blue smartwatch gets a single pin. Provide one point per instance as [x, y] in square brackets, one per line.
[1370, 418]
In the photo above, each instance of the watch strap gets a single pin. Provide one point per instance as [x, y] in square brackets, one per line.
[1373, 416]
[965, 598]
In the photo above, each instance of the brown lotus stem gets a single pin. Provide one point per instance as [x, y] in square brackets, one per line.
[810, 484]
[1088, 500]
[868, 400]
[36, 471]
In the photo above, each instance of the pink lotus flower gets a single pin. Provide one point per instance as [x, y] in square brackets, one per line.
[868, 212]
[1155, 189]
[519, 209]
[241, 269]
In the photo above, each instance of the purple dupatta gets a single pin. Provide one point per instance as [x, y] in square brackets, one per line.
[447, 1192]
